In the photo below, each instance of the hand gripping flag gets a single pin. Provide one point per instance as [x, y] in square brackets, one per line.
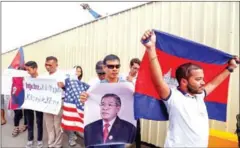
[173, 51]
[73, 109]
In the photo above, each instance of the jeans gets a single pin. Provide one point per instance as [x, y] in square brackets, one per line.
[18, 114]
[138, 135]
[30, 121]
[2, 101]
[71, 135]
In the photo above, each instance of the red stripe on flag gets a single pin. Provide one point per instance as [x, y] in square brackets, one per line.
[72, 128]
[69, 109]
[74, 110]
[76, 119]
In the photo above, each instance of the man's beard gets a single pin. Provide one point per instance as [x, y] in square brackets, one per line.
[192, 90]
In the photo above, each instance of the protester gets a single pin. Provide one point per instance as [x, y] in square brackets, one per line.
[134, 67]
[71, 134]
[238, 128]
[111, 66]
[18, 114]
[188, 117]
[91, 11]
[32, 69]
[100, 73]
[79, 72]
[3, 119]
[53, 122]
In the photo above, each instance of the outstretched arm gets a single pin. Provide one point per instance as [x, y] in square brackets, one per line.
[92, 12]
[155, 68]
[222, 76]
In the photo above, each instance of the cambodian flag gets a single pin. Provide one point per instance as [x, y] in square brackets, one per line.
[18, 60]
[17, 91]
[173, 51]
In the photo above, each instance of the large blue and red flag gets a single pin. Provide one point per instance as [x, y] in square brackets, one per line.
[173, 51]
[18, 61]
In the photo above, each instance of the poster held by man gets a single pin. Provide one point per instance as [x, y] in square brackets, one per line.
[109, 117]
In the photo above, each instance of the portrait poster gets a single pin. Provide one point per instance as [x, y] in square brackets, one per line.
[109, 114]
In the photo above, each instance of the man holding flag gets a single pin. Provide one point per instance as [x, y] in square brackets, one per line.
[185, 104]
[17, 64]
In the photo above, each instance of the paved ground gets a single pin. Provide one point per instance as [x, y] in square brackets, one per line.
[20, 141]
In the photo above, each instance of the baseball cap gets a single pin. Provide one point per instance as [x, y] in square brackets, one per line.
[99, 67]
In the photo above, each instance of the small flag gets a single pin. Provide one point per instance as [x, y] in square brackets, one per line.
[18, 61]
[17, 91]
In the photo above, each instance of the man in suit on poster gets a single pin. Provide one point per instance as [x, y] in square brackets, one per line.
[109, 129]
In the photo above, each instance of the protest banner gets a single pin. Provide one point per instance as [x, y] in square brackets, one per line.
[42, 95]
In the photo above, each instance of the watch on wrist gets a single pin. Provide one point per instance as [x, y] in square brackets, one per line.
[229, 69]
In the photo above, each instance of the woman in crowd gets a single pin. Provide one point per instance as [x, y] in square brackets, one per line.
[71, 134]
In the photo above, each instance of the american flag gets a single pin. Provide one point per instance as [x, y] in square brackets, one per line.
[73, 109]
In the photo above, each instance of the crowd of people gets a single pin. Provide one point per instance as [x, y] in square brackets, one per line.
[184, 118]
[107, 70]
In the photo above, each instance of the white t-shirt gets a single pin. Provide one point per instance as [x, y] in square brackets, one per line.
[59, 76]
[188, 120]
[124, 77]
[94, 81]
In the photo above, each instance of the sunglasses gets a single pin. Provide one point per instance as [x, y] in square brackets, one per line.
[112, 66]
[101, 73]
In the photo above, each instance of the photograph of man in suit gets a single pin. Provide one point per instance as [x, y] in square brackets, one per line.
[109, 129]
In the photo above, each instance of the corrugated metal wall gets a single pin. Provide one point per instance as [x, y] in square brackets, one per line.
[212, 23]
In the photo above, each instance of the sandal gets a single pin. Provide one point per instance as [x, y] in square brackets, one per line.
[15, 132]
[23, 128]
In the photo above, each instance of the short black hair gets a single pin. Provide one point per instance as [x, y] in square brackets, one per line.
[21, 68]
[110, 57]
[79, 77]
[135, 60]
[184, 71]
[116, 97]
[31, 64]
[51, 58]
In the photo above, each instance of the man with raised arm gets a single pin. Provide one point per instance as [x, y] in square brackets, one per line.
[188, 117]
